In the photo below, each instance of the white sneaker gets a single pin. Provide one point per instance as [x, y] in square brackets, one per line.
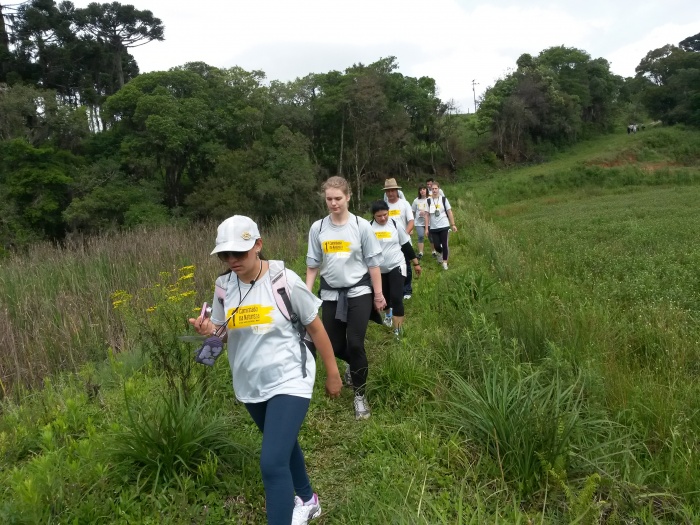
[387, 321]
[444, 266]
[407, 297]
[303, 512]
[361, 408]
[347, 376]
[439, 258]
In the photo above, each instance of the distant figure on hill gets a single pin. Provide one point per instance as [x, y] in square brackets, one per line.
[632, 128]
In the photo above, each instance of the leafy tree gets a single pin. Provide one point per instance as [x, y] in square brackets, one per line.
[692, 43]
[35, 184]
[34, 115]
[5, 54]
[116, 203]
[120, 27]
[270, 179]
[672, 91]
[164, 118]
[554, 98]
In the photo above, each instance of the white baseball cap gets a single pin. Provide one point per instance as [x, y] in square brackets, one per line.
[236, 234]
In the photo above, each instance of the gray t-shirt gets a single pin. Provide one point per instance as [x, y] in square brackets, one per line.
[438, 213]
[401, 212]
[419, 207]
[263, 347]
[391, 237]
[343, 254]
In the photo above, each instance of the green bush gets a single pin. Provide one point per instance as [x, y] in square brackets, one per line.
[176, 437]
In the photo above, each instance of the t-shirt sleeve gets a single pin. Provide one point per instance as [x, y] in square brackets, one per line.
[314, 255]
[371, 249]
[414, 206]
[409, 213]
[218, 315]
[447, 205]
[304, 303]
[403, 236]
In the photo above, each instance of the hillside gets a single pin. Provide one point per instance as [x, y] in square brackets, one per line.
[548, 377]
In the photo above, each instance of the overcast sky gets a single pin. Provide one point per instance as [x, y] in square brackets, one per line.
[452, 41]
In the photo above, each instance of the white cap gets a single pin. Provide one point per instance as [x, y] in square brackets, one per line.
[236, 234]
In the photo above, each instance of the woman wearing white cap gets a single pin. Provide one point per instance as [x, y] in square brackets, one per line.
[271, 375]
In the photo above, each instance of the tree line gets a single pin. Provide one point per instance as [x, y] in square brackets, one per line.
[87, 143]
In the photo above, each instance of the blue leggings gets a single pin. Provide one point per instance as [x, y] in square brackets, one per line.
[281, 460]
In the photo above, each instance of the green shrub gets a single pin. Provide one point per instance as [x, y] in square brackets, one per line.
[519, 417]
[176, 437]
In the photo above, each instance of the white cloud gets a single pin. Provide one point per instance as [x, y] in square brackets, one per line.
[624, 60]
[453, 41]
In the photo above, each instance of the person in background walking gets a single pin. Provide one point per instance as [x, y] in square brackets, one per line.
[429, 184]
[347, 255]
[440, 220]
[400, 210]
[396, 248]
[271, 376]
[420, 211]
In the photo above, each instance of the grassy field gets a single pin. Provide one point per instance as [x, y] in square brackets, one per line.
[548, 377]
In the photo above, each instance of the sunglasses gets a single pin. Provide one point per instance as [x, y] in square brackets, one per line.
[225, 256]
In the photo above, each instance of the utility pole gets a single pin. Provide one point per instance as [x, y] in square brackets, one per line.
[474, 84]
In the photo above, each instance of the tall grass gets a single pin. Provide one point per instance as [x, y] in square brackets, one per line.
[56, 310]
[548, 377]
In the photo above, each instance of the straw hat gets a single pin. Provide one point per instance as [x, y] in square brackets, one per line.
[390, 184]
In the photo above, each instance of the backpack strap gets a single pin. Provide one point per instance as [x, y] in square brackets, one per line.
[280, 291]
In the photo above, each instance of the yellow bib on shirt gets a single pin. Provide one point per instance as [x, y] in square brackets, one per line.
[250, 315]
[336, 247]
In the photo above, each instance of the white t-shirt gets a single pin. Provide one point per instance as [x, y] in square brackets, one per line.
[419, 207]
[391, 237]
[343, 254]
[263, 346]
[401, 212]
[438, 213]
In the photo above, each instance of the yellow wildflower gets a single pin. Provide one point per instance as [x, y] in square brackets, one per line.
[186, 277]
[187, 269]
